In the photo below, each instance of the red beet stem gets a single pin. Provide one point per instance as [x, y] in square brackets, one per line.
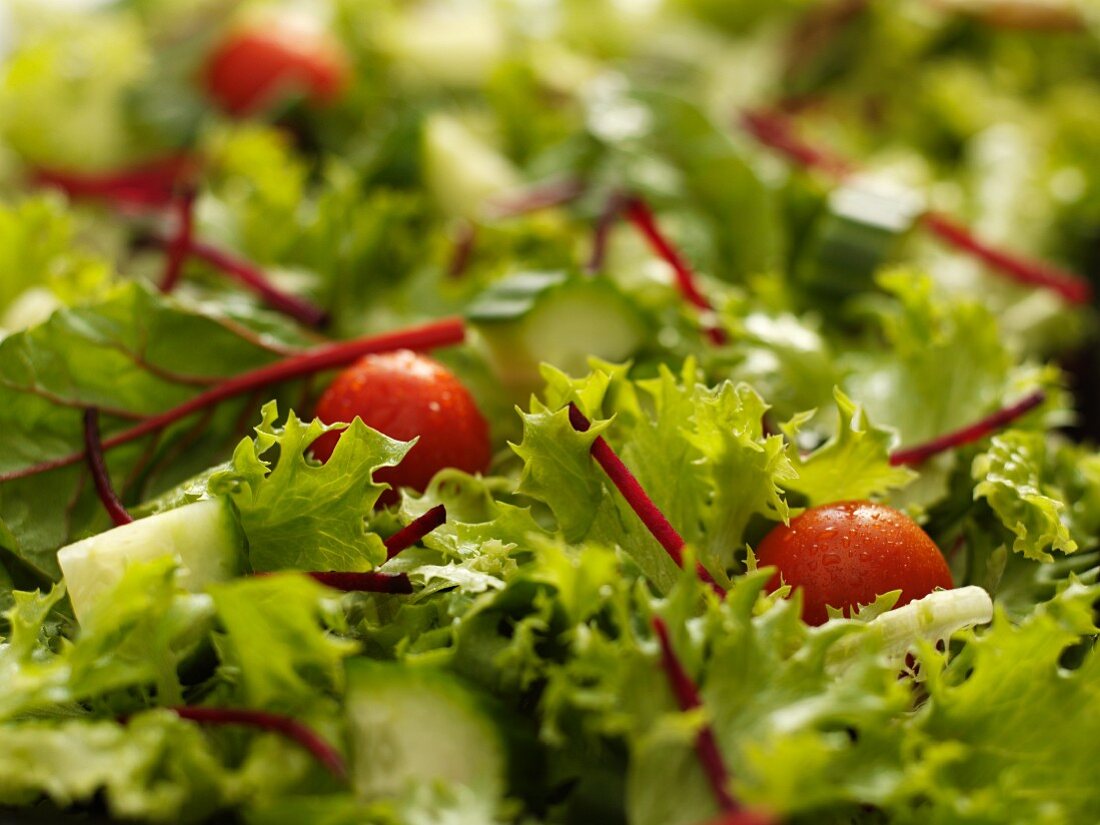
[150, 185]
[687, 697]
[776, 131]
[415, 530]
[1072, 287]
[972, 432]
[539, 196]
[181, 241]
[639, 501]
[641, 216]
[465, 239]
[93, 450]
[428, 336]
[252, 277]
[602, 233]
[299, 732]
[372, 582]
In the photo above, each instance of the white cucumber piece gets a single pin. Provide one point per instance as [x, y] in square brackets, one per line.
[415, 725]
[935, 617]
[204, 537]
[461, 171]
[552, 317]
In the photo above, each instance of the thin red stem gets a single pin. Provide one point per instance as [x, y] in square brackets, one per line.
[687, 697]
[602, 233]
[428, 336]
[776, 131]
[151, 185]
[1023, 270]
[415, 530]
[539, 196]
[464, 241]
[97, 463]
[372, 582]
[640, 502]
[252, 277]
[180, 242]
[291, 728]
[641, 216]
[973, 432]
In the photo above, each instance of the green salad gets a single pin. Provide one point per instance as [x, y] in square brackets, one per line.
[666, 412]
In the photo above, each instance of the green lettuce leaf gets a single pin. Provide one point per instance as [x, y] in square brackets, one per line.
[854, 464]
[303, 515]
[136, 637]
[1021, 478]
[278, 641]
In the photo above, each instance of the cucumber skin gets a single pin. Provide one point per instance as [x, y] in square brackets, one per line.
[388, 705]
[93, 566]
[535, 317]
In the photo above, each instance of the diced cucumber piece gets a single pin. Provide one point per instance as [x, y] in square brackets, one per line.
[861, 228]
[412, 725]
[461, 171]
[204, 537]
[448, 45]
[562, 319]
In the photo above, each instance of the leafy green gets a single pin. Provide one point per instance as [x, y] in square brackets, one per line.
[134, 638]
[1049, 502]
[854, 464]
[301, 514]
[277, 642]
[131, 354]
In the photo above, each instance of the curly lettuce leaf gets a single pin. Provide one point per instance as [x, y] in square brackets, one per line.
[298, 513]
[944, 365]
[1021, 478]
[136, 637]
[854, 464]
[277, 642]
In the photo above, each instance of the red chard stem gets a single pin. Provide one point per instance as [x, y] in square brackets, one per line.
[640, 502]
[539, 196]
[428, 336]
[611, 212]
[415, 530]
[252, 277]
[180, 243]
[641, 216]
[776, 131]
[1072, 287]
[968, 434]
[372, 582]
[464, 241]
[687, 697]
[97, 463]
[291, 728]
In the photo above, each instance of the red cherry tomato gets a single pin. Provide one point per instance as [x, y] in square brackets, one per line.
[255, 66]
[846, 554]
[404, 395]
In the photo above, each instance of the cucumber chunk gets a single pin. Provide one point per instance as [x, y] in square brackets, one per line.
[864, 223]
[412, 725]
[461, 171]
[204, 537]
[555, 317]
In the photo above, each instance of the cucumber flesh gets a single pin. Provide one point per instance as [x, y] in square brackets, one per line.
[204, 537]
[864, 223]
[461, 171]
[557, 318]
[414, 725]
